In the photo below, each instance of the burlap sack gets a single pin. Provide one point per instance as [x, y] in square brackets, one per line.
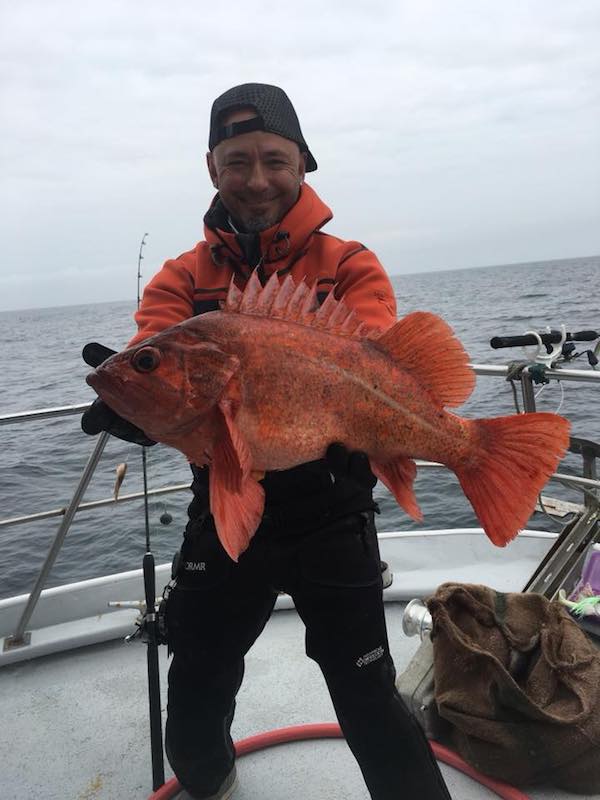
[519, 681]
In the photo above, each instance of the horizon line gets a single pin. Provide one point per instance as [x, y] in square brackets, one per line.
[390, 274]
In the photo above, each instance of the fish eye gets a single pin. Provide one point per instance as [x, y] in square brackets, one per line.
[146, 359]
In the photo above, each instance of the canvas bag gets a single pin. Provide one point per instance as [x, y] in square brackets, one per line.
[519, 682]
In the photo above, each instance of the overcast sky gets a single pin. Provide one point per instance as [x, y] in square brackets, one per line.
[448, 133]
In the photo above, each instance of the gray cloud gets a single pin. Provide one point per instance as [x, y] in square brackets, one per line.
[447, 134]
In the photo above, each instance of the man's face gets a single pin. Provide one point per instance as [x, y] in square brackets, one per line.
[258, 174]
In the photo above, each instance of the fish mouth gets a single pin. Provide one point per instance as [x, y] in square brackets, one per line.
[122, 396]
[133, 402]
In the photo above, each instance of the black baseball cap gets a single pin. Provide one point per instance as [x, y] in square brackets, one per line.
[275, 114]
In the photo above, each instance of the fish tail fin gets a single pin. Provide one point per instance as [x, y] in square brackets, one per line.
[512, 460]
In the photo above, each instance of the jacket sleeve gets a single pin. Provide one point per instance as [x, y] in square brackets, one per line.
[365, 287]
[168, 299]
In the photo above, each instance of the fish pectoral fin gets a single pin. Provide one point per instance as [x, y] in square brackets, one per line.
[399, 475]
[236, 499]
[237, 514]
[230, 452]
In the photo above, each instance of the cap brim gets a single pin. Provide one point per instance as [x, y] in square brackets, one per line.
[311, 164]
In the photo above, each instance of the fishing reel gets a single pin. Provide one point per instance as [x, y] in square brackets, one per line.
[151, 623]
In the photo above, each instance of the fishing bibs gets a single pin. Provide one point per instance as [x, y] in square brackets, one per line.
[200, 567]
[201, 563]
[217, 607]
[338, 592]
[344, 554]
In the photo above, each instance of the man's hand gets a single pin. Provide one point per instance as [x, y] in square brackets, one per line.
[350, 465]
[99, 416]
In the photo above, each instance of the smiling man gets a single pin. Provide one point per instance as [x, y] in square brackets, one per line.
[258, 174]
[317, 539]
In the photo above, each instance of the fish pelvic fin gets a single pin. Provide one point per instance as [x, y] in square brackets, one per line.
[296, 303]
[399, 476]
[236, 498]
[425, 346]
[511, 461]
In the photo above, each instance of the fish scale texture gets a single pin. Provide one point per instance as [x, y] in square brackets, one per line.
[271, 380]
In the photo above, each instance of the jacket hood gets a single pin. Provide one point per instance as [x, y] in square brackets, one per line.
[284, 241]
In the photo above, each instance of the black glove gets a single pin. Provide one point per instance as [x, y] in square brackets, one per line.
[350, 465]
[99, 416]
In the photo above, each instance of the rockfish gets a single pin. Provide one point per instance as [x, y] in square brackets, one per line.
[270, 380]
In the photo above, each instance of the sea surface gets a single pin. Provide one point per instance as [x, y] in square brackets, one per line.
[41, 462]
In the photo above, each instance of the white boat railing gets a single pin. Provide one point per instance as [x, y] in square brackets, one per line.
[588, 482]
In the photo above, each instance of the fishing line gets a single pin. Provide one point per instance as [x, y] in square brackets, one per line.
[562, 397]
[545, 511]
[579, 488]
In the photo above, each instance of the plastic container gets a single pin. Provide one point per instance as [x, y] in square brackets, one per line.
[589, 583]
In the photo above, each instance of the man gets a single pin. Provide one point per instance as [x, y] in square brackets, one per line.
[317, 540]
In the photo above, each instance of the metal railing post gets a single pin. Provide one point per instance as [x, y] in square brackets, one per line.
[17, 639]
[527, 391]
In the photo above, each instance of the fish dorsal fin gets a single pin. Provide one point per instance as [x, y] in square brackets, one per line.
[424, 345]
[295, 303]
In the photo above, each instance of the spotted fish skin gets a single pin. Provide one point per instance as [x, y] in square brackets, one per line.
[271, 379]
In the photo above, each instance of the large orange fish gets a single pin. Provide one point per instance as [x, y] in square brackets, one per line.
[270, 380]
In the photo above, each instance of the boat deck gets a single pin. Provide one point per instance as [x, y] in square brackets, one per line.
[76, 723]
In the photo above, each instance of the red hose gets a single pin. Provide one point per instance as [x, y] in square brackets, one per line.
[331, 730]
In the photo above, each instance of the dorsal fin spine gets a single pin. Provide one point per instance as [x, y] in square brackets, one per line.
[268, 296]
[251, 294]
[325, 313]
[282, 299]
[234, 298]
[295, 303]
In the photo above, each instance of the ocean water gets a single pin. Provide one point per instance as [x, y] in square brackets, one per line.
[41, 462]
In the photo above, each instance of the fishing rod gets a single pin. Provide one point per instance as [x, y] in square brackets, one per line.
[139, 272]
[148, 627]
[548, 337]
[557, 344]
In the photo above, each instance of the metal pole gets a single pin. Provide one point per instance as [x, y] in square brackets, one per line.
[527, 390]
[43, 413]
[110, 501]
[589, 471]
[16, 640]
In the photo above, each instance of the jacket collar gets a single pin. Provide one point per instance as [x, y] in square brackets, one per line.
[281, 243]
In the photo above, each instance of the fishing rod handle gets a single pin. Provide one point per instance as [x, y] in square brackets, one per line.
[554, 337]
[149, 582]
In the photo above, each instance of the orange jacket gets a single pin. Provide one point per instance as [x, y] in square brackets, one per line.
[197, 280]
